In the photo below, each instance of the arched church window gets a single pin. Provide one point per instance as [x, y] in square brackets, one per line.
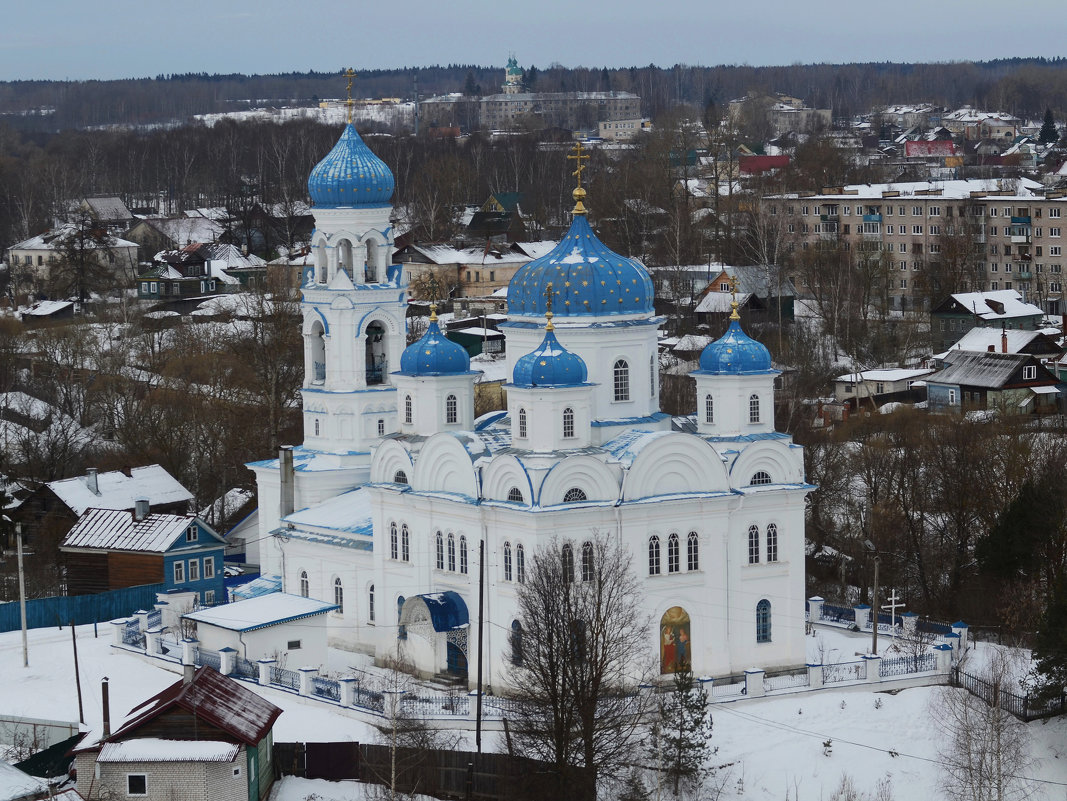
[709, 409]
[451, 412]
[375, 353]
[515, 495]
[574, 495]
[381, 428]
[763, 621]
[318, 353]
[516, 642]
[568, 423]
[305, 585]
[407, 408]
[568, 564]
[316, 426]
[520, 564]
[652, 375]
[772, 543]
[339, 595]
[405, 544]
[653, 555]
[462, 553]
[693, 551]
[370, 603]
[400, 477]
[753, 409]
[761, 477]
[507, 561]
[753, 545]
[622, 380]
[587, 561]
[451, 552]
[522, 424]
[394, 549]
[673, 564]
[440, 551]
[401, 630]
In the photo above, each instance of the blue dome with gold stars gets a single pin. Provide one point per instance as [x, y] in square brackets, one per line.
[588, 280]
[735, 353]
[550, 365]
[434, 354]
[350, 175]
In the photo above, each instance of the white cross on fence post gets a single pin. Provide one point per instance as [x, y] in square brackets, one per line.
[893, 605]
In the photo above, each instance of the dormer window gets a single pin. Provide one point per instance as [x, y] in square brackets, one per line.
[190, 534]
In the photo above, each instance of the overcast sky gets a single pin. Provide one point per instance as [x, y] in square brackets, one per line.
[134, 38]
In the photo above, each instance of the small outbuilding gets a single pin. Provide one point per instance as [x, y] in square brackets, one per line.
[288, 628]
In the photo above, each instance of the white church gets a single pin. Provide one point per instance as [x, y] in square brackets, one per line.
[383, 507]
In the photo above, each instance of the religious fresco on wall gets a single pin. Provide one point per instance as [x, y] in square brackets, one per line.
[675, 649]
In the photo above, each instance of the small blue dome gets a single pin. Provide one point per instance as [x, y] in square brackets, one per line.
[735, 353]
[350, 175]
[588, 280]
[550, 365]
[434, 354]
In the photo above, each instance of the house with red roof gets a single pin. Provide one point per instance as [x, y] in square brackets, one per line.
[204, 738]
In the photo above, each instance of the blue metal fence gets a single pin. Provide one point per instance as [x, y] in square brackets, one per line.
[209, 658]
[838, 614]
[59, 610]
[245, 669]
[325, 688]
[905, 665]
[285, 678]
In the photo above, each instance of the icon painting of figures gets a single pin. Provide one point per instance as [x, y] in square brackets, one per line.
[675, 651]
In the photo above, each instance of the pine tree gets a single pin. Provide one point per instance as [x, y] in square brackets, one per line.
[1048, 134]
[1050, 644]
[681, 738]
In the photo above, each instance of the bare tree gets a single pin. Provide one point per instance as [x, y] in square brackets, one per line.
[985, 749]
[583, 647]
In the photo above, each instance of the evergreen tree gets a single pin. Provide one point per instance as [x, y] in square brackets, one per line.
[1050, 645]
[530, 79]
[470, 87]
[1048, 134]
[680, 743]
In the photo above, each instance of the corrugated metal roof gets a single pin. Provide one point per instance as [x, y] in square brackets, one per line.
[116, 530]
[212, 697]
[154, 749]
[980, 369]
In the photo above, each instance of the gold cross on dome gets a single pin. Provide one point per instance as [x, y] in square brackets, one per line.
[432, 285]
[548, 307]
[733, 297]
[348, 102]
[579, 193]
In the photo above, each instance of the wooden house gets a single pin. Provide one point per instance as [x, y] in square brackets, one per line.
[51, 509]
[1012, 383]
[112, 548]
[204, 738]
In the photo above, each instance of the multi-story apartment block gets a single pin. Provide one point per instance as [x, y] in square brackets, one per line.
[934, 239]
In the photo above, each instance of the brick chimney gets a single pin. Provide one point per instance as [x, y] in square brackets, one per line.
[106, 701]
[1003, 341]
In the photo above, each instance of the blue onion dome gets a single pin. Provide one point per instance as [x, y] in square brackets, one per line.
[350, 175]
[735, 353]
[550, 365]
[588, 279]
[434, 354]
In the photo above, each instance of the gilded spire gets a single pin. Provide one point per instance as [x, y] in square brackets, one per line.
[432, 285]
[733, 298]
[548, 308]
[578, 194]
[348, 102]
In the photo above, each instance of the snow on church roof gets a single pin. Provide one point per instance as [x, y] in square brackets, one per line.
[350, 512]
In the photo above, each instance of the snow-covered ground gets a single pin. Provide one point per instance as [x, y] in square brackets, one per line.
[771, 748]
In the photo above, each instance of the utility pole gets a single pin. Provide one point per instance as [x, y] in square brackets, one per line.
[77, 676]
[874, 609]
[22, 597]
[481, 611]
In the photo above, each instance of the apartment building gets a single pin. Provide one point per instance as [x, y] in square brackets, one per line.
[1015, 227]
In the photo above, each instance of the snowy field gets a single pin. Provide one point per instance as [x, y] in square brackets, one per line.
[770, 749]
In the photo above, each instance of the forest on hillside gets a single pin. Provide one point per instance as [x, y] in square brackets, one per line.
[1022, 86]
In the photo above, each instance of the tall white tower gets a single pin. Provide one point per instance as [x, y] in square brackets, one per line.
[353, 324]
